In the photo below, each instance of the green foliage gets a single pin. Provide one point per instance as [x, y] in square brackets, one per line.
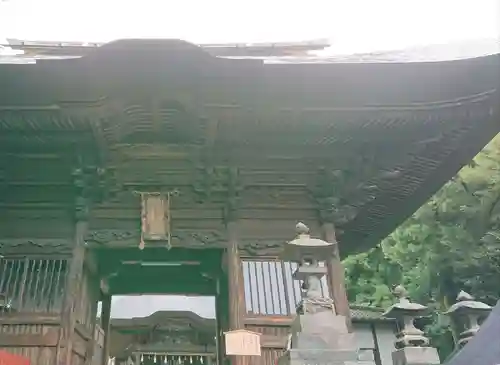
[451, 243]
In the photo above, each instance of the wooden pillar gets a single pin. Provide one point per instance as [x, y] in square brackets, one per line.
[105, 324]
[72, 291]
[221, 316]
[91, 344]
[236, 289]
[85, 188]
[336, 275]
[235, 280]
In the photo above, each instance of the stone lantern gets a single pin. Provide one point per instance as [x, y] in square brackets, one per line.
[465, 315]
[319, 335]
[412, 347]
[308, 252]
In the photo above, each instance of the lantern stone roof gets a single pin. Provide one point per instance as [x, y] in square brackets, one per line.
[382, 137]
[483, 348]
[466, 302]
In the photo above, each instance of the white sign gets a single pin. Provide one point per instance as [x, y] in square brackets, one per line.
[243, 343]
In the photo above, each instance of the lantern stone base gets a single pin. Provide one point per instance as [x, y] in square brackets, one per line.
[324, 357]
[415, 356]
[321, 329]
[320, 337]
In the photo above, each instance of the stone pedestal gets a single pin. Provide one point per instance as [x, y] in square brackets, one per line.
[322, 330]
[324, 357]
[320, 337]
[415, 356]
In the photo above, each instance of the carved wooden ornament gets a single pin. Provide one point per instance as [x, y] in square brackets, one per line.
[243, 343]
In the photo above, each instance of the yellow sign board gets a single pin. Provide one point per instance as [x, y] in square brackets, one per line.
[242, 343]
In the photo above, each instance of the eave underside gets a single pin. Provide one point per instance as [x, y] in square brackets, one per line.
[278, 129]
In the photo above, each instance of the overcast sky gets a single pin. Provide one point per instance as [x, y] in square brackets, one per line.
[350, 25]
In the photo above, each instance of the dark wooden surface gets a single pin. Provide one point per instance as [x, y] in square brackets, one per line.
[358, 146]
[386, 139]
[72, 298]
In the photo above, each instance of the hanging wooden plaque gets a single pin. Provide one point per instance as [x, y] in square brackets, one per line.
[155, 223]
[155, 217]
[243, 343]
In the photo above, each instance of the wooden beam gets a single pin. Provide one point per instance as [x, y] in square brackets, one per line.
[46, 340]
[273, 341]
[30, 319]
[150, 285]
[265, 320]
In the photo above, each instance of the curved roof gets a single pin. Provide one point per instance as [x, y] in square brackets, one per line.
[298, 52]
[297, 85]
[429, 53]
[396, 131]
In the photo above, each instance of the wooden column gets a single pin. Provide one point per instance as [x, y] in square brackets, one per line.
[105, 324]
[91, 344]
[235, 280]
[72, 291]
[221, 316]
[90, 184]
[236, 289]
[336, 275]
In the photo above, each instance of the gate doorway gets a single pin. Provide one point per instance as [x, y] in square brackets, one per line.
[160, 305]
[163, 329]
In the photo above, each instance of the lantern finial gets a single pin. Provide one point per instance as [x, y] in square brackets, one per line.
[301, 228]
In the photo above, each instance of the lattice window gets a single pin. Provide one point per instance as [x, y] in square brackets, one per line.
[34, 285]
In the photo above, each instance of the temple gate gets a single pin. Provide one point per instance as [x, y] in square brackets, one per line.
[155, 167]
